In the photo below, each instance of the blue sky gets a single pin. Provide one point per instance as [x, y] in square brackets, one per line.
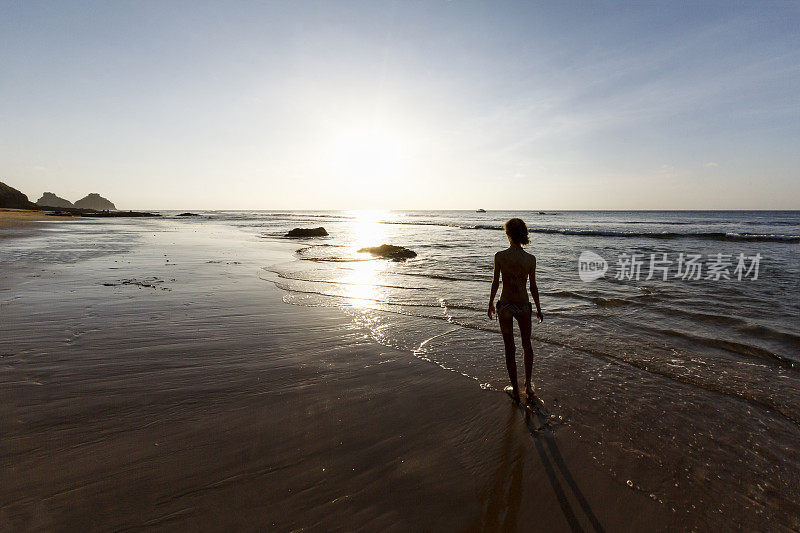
[403, 105]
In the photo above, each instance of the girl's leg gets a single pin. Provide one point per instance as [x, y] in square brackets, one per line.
[507, 328]
[524, 321]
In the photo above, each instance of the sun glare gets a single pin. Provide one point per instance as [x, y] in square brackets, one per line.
[368, 161]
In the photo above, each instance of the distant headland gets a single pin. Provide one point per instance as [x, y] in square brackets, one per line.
[49, 199]
[92, 205]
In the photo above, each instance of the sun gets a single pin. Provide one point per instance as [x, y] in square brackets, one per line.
[367, 160]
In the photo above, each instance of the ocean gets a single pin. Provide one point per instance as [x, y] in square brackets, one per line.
[726, 319]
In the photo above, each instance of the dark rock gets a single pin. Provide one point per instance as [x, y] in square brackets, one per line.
[308, 232]
[187, 214]
[114, 214]
[96, 202]
[49, 199]
[14, 199]
[388, 251]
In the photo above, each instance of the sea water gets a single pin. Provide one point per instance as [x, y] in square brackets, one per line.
[730, 303]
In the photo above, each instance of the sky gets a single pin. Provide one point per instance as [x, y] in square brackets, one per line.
[403, 105]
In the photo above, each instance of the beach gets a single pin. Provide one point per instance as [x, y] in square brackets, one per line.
[155, 375]
[400, 266]
[17, 222]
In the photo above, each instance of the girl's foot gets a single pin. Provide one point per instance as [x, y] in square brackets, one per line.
[513, 392]
[529, 390]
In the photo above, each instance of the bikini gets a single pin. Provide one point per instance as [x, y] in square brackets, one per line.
[516, 310]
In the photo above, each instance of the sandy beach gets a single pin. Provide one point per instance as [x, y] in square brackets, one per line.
[19, 222]
[170, 387]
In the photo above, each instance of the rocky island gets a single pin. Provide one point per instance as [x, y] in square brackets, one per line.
[49, 199]
[96, 202]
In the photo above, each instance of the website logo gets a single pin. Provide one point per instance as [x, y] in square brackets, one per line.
[591, 266]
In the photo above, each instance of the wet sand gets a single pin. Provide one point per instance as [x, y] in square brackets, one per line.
[22, 222]
[170, 387]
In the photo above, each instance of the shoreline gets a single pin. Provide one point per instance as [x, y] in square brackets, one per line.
[176, 352]
[23, 222]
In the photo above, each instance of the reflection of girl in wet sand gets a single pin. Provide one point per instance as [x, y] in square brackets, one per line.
[517, 267]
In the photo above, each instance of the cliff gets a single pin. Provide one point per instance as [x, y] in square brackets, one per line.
[49, 199]
[96, 202]
[12, 198]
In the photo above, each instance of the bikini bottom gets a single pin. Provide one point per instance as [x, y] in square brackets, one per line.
[516, 310]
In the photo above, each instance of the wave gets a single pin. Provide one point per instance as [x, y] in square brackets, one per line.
[393, 307]
[302, 216]
[648, 301]
[444, 304]
[711, 235]
[750, 329]
[304, 249]
[659, 223]
[444, 277]
[731, 346]
[289, 277]
[428, 223]
[772, 334]
[300, 253]
[338, 259]
[773, 222]
[600, 301]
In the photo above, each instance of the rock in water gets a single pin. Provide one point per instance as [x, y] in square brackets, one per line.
[49, 199]
[14, 199]
[388, 251]
[96, 202]
[308, 232]
[187, 214]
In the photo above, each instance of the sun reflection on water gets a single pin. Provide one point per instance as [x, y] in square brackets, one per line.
[366, 227]
[361, 282]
